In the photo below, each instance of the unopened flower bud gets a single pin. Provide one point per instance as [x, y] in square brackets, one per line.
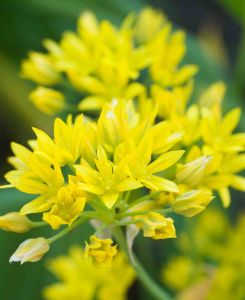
[15, 222]
[192, 203]
[48, 100]
[192, 172]
[38, 68]
[30, 250]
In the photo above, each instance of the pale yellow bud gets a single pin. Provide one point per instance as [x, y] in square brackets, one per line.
[192, 203]
[48, 100]
[213, 96]
[148, 24]
[15, 222]
[38, 68]
[192, 172]
[101, 251]
[87, 24]
[158, 227]
[30, 250]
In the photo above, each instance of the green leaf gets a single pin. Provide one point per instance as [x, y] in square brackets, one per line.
[235, 8]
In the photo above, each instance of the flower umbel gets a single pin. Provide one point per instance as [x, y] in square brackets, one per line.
[138, 153]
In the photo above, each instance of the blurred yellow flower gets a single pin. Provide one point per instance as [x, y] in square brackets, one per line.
[216, 268]
[104, 62]
[148, 24]
[79, 278]
[178, 272]
[39, 68]
[47, 100]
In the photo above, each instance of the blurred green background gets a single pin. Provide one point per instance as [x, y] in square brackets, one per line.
[215, 42]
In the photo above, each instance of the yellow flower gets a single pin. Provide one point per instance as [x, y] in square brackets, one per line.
[167, 51]
[70, 203]
[143, 170]
[192, 202]
[68, 138]
[218, 132]
[31, 250]
[158, 227]
[171, 103]
[39, 68]
[101, 251]
[222, 174]
[47, 100]
[118, 279]
[148, 24]
[108, 182]
[15, 222]
[214, 274]
[35, 175]
[212, 97]
[105, 62]
[165, 136]
[178, 272]
[79, 277]
[41, 172]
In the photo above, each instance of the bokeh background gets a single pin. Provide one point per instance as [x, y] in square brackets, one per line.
[215, 42]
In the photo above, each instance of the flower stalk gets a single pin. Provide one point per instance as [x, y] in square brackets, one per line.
[154, 289]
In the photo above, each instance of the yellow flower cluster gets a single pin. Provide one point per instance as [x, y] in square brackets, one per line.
[149, 153]
[103, 62]
[79, 279]
[93, 163]
[216, 270]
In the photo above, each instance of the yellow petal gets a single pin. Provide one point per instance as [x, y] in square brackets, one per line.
[165, 161]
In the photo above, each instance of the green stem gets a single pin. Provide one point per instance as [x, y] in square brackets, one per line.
[66, 230]
[38, 224]
[156, 291]
[125, 223]
[143, 212]
[141, 199]
[127, 196]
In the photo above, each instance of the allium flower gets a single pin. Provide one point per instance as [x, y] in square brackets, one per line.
[80, 277]
[104, 62]
[158, 227]
[139, 152]
[101, 251]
